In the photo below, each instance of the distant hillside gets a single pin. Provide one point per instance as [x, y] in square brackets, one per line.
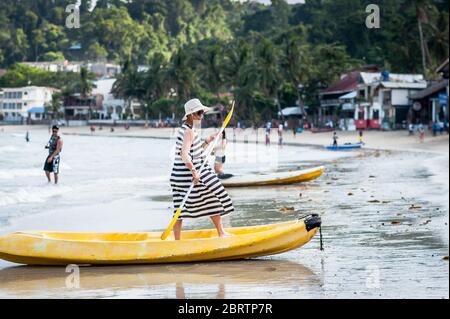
[35, 29]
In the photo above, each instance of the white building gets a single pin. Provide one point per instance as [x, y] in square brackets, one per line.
[18, 104]
[100, 69]
[113, 108]
[65, 66]
[388, 95]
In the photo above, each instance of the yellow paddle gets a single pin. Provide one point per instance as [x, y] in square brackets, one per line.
[208, 152]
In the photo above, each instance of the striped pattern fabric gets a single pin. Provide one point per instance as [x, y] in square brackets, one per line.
[209, 197]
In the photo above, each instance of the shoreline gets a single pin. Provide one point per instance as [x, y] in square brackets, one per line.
[373, 140]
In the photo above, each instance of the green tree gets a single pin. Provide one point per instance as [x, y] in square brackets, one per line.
[53, 57]
[155, 80]
[128, 85]
[55, 105]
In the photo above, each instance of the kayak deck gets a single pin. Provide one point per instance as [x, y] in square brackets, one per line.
[279, 178]
[62, 248]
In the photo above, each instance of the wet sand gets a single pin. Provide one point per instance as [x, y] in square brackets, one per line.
[385, 226]
[223, 279]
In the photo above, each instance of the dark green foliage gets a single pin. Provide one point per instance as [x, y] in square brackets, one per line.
[207, 48]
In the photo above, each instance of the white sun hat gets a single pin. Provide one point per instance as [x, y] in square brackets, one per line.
[193, 106]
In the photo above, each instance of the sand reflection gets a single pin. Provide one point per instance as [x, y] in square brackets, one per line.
[202, 279]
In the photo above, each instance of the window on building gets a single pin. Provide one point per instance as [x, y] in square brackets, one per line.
[19, 95]
[376, 114]
[361, 115]
[19, 106]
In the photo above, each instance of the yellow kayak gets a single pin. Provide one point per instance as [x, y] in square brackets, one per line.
[62, 248]
[281, 178]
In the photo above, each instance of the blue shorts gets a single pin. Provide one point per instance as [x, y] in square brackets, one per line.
[53, 166]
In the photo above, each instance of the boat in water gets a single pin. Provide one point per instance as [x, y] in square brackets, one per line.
[277, 178]
[63, 248]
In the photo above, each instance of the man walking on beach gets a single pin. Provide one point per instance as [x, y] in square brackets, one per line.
[54, 147]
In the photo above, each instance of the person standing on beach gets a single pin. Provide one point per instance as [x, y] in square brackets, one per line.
[268, 128]
[208, 198]
[280, 134]
[27, 137]
[335, 138]
[361, 137]
[411, 129]
[54, 147]
[219, 152]
[421, 133]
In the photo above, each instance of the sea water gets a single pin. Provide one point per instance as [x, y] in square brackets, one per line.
[384, 218]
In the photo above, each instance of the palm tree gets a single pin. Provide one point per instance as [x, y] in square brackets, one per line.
[155, 84]
[297, 63]
[128, 85]
[421, 8]
[86, 84]
[267, 63]
[211, 68]
[237, 55]
[182, 76]
[54, 106]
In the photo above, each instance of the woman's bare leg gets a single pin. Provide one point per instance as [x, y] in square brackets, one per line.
[217, 220]
[177, 229]
[218, 168]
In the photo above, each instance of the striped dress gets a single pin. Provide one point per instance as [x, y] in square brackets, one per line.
[209, 197]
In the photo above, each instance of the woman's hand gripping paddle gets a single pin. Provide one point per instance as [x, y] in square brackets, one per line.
[178, 212]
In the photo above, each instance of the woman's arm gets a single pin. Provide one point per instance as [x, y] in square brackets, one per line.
[185, 149]
[207, 141]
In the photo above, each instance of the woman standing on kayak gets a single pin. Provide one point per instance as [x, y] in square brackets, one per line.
[208, 198]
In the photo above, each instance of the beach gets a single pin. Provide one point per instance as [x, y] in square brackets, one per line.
[384, 210]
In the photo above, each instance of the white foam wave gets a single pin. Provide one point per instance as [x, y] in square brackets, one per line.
[8, 148]
[14, 173]
[32, 194]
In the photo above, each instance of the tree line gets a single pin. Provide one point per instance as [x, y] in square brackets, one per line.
[268, 56]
